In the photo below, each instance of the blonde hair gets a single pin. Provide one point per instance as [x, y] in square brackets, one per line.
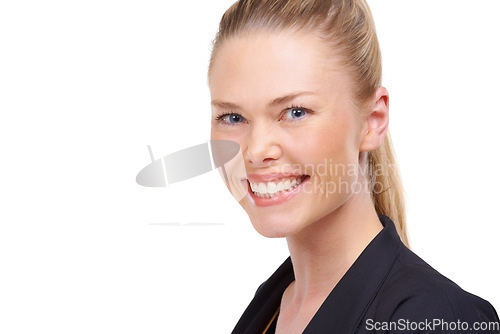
[348, 26]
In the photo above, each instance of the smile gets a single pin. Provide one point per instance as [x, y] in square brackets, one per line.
[275, 188]
[277, 191]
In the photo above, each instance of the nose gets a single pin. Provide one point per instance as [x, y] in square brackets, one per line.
[263, 146]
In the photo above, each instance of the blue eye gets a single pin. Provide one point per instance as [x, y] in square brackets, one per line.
[230, 118]
[296, 112]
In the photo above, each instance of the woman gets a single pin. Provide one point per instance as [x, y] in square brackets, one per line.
[297, 84]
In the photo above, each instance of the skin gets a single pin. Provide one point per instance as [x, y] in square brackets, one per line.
[326, 229]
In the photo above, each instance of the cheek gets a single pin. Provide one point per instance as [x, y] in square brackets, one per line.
[216, 134]
[325, 144]
[219, 133]
[332, 159]
[232, 170]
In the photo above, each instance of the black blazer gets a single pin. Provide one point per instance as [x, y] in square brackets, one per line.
[388, 289]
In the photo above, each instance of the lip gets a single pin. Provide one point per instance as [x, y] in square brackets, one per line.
[281, 198]
[271, 177]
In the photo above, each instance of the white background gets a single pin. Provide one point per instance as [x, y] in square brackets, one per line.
[86, 85]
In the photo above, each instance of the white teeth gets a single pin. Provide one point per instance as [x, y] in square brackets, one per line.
[281, 186]
[271, 189]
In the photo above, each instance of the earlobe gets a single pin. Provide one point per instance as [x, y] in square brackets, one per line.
[376, 123]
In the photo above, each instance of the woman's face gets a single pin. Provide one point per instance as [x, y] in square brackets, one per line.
[288, 104]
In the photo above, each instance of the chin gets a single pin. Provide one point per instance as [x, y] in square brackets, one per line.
[275, 229]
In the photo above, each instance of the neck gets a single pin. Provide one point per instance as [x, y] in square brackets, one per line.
[323, 252]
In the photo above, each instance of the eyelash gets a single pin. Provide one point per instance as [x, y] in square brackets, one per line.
[219, 117]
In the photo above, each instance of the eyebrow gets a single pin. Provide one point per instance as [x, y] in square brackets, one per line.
[276, 101]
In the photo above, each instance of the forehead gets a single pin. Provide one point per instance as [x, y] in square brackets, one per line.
[272, 63]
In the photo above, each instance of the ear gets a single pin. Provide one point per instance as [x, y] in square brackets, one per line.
[376, 124]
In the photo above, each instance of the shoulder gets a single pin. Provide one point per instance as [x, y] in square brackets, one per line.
[415, 291]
